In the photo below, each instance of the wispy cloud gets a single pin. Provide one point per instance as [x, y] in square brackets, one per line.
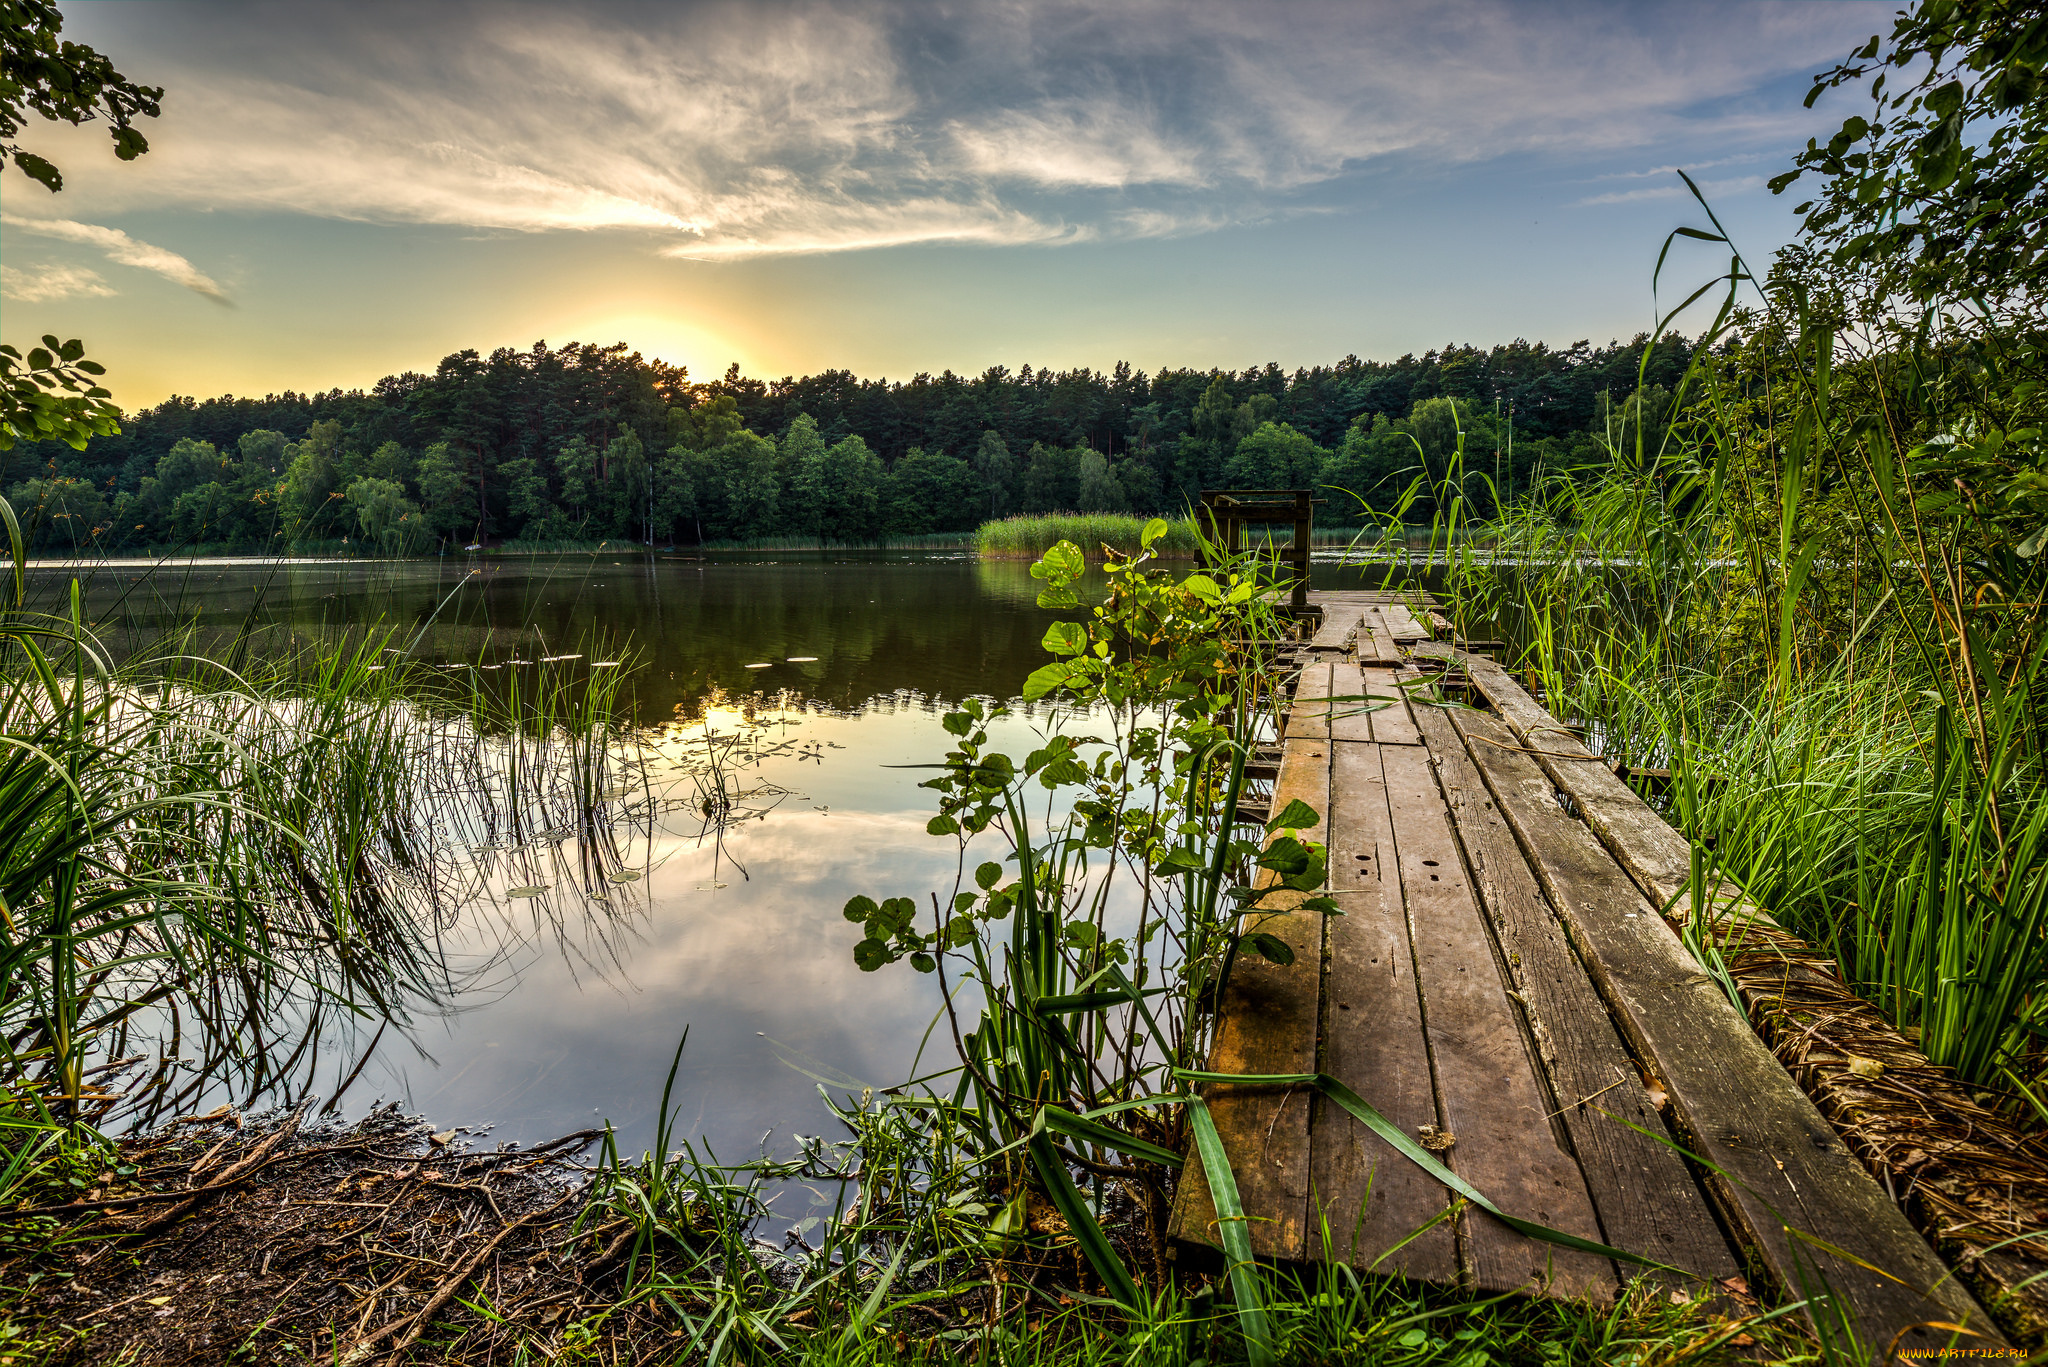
[799, 127]
[123, 250]
[1727, 185]
[45, 284]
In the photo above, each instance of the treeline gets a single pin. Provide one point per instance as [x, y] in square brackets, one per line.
[587, 443]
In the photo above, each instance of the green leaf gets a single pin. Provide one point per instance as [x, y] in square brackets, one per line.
[860, 908]
[1271, 948]
[1081, 1223]
[870, 955]
[1062, 564]
[1095, 1132]
[1403, 1144]
[1295, 816]
[941, 825]
[1065, 638]
[1046, 678]
[988, 875]
[1182, 860]
[1059, 598]
[1285, 856]
[1154, 529]
[1232, 1231]
[1203, 587]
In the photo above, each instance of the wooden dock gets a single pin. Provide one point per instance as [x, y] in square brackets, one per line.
[1501, 985]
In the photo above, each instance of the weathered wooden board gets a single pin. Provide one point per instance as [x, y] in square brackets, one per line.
[1647, 1199]
[1340, 620]
[1488, 1091]
[1736, 1105]
[1350, 713]
[1401, 622]
[1267, 1020]
[1394, 723]
[1372, 597]
[1373, 1042]
[1308, 716]
[1376, 644]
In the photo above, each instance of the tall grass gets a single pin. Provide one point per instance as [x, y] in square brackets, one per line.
[1839, 660]
[1030, 536]
[210, 863]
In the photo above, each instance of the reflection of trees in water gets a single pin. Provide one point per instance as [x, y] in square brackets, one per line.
[950, 627]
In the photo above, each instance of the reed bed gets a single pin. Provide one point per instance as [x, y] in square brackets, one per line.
[1030, 536]
[1840, 667]
[212, 869]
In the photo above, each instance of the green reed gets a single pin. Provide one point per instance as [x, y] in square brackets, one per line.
[1029, 536]
[1839, 660]
[215, 868]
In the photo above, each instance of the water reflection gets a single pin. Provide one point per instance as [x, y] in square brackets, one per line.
[769, 799]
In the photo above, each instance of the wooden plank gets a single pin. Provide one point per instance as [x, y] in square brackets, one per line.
[1339, 622]
[1401, 622]
[1266, 1023]
[1372, 1196]
[1406, 597]
[1488, 1090]
[1376, 644]
[1349, 719]
[1735, 1104]
[1647, 1199]
[1308, 716]
[1393, 724]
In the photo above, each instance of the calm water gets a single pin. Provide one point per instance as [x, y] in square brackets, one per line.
[574, 1016]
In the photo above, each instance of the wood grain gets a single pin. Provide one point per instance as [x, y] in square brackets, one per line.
[1647, 1200]
[1267, 1023]
[1733, 1101]
[1373, 1042]
[1488, 1091]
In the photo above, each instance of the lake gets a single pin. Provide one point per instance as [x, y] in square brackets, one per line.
[810, 677]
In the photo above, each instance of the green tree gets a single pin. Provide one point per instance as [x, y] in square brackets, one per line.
[59, 511]
[206, 514]
[526, 496]
[576, 465]
[445, 491]
[1052, 480]
[1095, 489]
[63, 82]
[930, 491]
[997, 471]
[1276, 456]
[384, 516]
[1940, 193]
[628, 501]
[737, 492]
[837, 491]
[53, 394]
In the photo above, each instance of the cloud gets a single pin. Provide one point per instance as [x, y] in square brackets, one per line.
[1729, 185]
[44, 284]
[123, 250]
[734, 130]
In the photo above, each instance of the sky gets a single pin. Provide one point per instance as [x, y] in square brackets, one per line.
[340, 191]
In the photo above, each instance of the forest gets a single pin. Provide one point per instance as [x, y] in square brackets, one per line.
[581, 444]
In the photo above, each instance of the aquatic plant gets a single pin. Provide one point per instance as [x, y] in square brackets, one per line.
[212, 869]
[1027, 537]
